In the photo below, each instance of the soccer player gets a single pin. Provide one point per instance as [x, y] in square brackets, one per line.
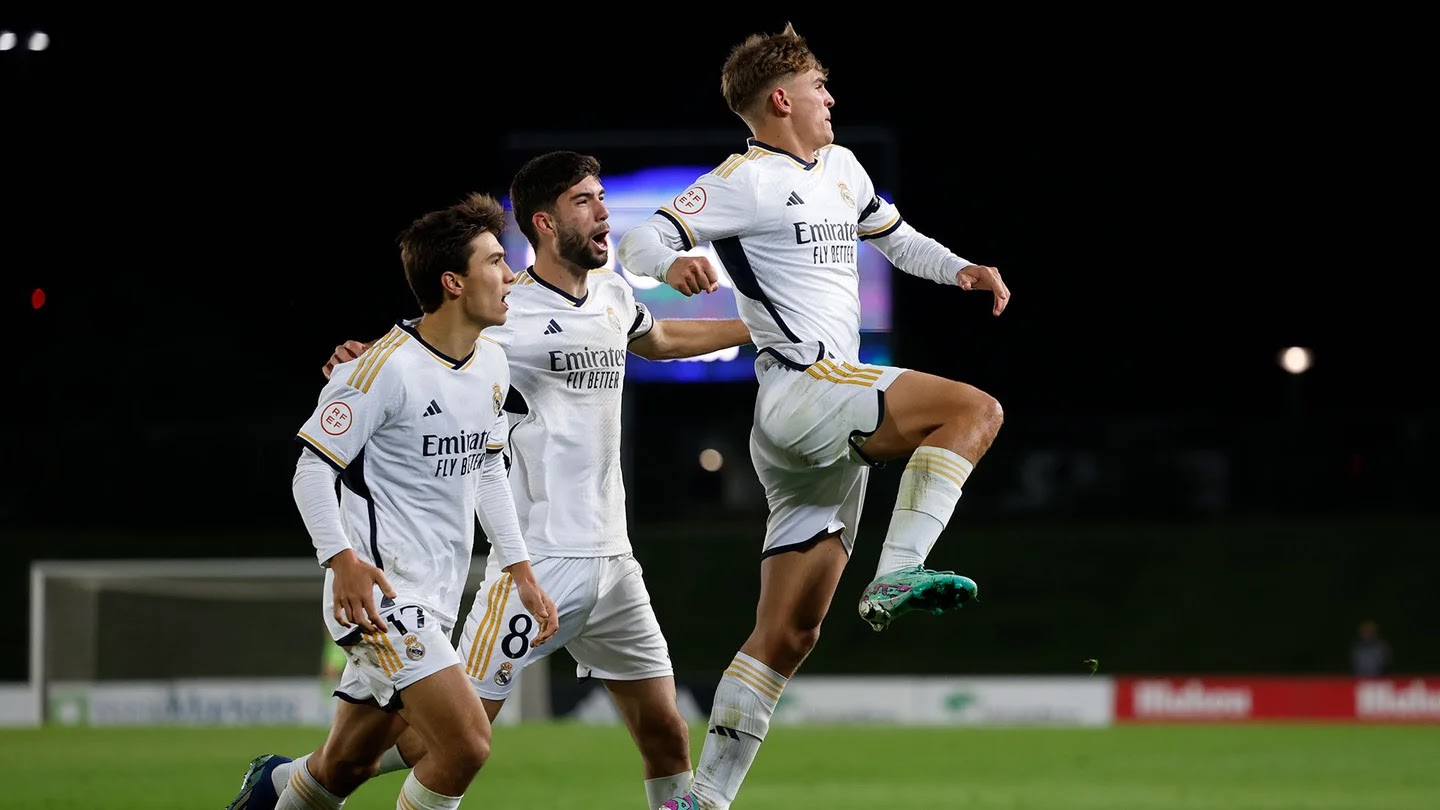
[784, 217]
[570, 325]
[415, 432]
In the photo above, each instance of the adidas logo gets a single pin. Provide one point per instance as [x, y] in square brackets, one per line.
[794, 199]
[553, 328]
[726, 732]
[433, 409]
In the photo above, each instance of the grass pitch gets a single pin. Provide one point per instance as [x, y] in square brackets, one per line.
[562, 765]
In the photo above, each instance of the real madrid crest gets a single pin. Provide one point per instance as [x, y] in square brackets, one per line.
[848, 196]
[614, 319]
[504, 673]
[413, 648]
[497, 398]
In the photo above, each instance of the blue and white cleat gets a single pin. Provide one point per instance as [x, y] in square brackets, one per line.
[910, 589]
[257, 790]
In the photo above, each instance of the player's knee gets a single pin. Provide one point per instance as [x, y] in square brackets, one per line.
[470, 751]
[980, 409]
[799, 640]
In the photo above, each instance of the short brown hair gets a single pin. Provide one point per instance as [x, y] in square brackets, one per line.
[439, 243]
[756, 65]
[541, 181]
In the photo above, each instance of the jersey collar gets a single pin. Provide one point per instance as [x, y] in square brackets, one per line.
[408, 326]
[776, 150]
[567, 296]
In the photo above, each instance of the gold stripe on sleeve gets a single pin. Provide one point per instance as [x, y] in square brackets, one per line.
[368, 359]
[365, 387]
[322, 448]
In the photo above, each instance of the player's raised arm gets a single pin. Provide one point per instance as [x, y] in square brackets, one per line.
[644, 250]
[717, 205]
[919, 255]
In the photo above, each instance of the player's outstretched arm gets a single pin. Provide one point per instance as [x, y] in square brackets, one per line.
[919, 255]
[984, 277]
[674, 338]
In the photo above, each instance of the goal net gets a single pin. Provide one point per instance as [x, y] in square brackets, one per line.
[209, 642]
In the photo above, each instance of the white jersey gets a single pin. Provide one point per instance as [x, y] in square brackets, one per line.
[408, 429]
[787, 232]
[567, 367]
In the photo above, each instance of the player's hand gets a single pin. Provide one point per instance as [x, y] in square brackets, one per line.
[355, 582]
[982, 277]
[344, 353]
[535, 600]
[692, 274]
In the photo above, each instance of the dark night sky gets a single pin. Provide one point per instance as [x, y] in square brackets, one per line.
[210, 214]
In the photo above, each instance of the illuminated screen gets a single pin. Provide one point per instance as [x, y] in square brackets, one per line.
[632, 198]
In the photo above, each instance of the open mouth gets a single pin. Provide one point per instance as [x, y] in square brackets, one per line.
[601, 240]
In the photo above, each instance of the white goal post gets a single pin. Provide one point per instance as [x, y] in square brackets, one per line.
[202, 640]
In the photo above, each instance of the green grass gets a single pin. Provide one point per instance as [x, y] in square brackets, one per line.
[1299, 767]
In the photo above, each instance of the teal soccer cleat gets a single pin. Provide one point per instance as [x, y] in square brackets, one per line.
[256, 790]
[912, 589]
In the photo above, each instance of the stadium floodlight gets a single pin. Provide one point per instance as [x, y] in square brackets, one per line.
[39, 41]
[711, 460]
[1296, 359]
[7, 40]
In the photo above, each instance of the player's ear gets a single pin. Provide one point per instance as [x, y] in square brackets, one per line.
[452, 283]
[543, 223]
[781, 101]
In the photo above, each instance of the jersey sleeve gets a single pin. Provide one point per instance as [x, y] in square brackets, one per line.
[643, 321]
[912, 252]
[878, 216]
[719, 204]
[352, 407]
[499, 437]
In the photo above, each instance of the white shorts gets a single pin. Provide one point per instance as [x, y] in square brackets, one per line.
[810, 426]
[606, 623]
[382, 664]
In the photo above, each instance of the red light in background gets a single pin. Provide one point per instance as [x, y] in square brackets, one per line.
[37, 298]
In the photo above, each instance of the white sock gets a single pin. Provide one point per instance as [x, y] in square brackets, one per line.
[929, 489]
[744, 702]
[302, 792]
[658, 791]
[280, 777]
[391, 761]
[415, 796]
